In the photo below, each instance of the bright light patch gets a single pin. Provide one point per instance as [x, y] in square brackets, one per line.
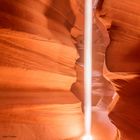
[87, 137]
[88, 69]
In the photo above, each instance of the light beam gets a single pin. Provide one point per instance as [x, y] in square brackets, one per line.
[90, 6]
[88, 69]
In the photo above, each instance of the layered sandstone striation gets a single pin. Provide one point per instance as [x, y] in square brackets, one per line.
[38, 40]
[37, 69]
[122, 61]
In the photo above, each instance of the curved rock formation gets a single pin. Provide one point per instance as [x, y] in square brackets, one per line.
[38, 40]
[37, 69]
[122, 62]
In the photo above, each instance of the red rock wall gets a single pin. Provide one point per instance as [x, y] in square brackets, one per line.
[38, 56]
[122, 61]
[37, 70]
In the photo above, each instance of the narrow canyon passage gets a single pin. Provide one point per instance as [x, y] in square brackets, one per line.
[42, 70]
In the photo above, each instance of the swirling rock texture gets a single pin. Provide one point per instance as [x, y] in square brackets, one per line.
[38, 69]
[122, 62]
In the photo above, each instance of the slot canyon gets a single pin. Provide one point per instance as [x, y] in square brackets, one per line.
[42, 70]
